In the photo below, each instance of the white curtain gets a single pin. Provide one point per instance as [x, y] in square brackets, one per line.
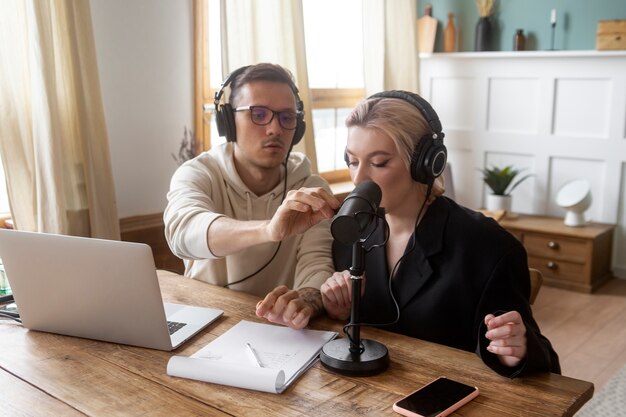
[390, 56]
[53, 138]
[269, 31]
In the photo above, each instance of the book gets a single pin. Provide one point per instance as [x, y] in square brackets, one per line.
[255, 356]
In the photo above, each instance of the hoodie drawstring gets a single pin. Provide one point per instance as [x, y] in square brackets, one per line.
[248, 206]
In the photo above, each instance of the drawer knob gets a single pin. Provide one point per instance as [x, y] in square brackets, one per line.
[552, 265]
[553, 245]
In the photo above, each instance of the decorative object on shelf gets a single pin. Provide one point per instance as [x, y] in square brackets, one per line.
[575, 198]
[611, 35]
[426, 30]
[484, 30]
[187, 148]
[449, 35]
[553, 24]
[500, 181]
[519, 40]
[496, 202]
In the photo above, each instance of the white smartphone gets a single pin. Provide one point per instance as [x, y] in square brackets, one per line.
[436, 399]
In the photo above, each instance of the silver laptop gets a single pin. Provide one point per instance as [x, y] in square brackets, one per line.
[94, 288]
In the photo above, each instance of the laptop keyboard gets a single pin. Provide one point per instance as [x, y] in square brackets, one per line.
[175, 326]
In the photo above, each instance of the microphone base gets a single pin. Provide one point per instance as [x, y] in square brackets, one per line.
[336, 356]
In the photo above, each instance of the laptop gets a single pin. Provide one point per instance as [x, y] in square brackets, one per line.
[96, 289]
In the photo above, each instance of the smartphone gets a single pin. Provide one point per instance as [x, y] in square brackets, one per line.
[436, 399]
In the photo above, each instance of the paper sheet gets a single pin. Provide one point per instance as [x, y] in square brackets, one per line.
[284, 354]
[242, 376]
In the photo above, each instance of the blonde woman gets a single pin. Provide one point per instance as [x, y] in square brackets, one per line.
[446, 274]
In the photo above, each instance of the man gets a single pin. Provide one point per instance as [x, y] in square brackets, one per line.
[249, 214]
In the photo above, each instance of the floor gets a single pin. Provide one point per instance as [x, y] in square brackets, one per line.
[588, 331]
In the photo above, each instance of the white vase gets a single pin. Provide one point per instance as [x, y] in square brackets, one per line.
[499, 202]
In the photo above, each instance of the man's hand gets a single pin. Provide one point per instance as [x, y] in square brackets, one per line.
[290, 307]
[507, 333]
[301, 209]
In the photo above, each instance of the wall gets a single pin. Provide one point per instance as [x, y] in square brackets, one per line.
[145, 59]
[575, 29]
[145, 55]
[558, 115]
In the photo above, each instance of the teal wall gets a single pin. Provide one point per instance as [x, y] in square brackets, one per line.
[576, 22]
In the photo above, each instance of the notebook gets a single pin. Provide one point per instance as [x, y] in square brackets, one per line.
[258, 356]
[96, 289]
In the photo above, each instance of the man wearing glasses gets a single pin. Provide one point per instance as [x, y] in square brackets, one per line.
[249, 214]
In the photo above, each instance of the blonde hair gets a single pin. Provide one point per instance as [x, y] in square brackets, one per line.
[401, 121]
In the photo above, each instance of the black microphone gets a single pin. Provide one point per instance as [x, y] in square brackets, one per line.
[353, 355]
[356, 213]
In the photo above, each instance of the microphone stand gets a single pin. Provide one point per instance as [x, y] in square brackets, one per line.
[355, 356]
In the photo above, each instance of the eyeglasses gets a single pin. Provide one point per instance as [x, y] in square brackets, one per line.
[263, 116]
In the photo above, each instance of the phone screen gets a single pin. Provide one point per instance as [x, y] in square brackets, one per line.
[436, 397]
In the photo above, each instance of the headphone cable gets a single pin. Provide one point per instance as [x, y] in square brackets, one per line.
[393, 272]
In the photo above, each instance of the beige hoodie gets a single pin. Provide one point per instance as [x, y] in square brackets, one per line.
[208, 187]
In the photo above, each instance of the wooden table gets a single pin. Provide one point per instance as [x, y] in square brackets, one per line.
[47, 374]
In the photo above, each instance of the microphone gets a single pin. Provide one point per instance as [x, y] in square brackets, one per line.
[356, 213]
[353, 355]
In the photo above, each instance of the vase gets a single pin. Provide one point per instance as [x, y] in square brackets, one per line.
[449, 35]
[519, 40]
[483, 34]
[498, 202]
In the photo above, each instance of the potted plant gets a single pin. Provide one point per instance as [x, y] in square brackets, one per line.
[500, 181]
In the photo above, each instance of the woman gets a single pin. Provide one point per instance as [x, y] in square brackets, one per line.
[446, 274]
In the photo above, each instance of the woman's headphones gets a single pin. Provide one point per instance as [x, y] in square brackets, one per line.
[225, 114]
[430, 155]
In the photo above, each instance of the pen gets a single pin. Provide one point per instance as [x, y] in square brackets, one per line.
[254, 355]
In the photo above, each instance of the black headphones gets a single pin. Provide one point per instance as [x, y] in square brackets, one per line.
[225, 114]
[430, 155]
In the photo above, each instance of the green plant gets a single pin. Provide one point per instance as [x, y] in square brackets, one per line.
[499, 180]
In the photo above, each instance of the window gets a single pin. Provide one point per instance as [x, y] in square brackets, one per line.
[215, 61]
[334, 43]
[333, 33]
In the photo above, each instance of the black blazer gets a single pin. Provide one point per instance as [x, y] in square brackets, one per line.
[459, 266]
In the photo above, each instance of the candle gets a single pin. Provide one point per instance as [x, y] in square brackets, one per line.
[553, 17]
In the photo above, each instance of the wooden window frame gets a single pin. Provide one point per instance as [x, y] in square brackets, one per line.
[201, 87]
[326, 98]
[332, 98]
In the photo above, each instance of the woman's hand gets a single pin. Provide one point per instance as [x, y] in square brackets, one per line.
[337, 295]
[507, 333]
